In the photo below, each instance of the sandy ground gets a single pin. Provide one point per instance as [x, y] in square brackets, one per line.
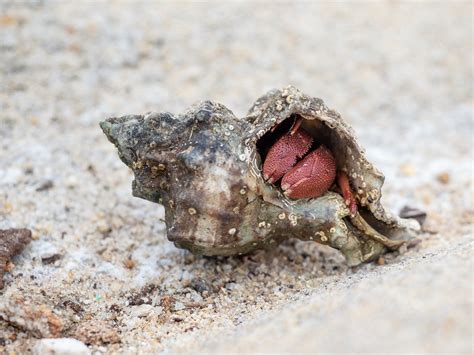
[400, 73]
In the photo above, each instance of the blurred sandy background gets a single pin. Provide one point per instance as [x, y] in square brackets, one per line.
[399, 72]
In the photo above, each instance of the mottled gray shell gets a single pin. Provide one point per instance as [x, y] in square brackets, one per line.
[204, 166]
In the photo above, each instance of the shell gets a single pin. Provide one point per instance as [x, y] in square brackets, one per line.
[205, 167]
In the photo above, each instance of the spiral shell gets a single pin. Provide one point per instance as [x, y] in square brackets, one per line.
[205, 168]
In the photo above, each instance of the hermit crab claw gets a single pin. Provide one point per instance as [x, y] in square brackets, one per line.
[284, 154]
[312, 176]
[232, 185]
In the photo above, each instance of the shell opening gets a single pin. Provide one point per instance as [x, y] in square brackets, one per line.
[319, 131]
[322, 134]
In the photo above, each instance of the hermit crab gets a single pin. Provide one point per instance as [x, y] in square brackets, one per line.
[291, 168]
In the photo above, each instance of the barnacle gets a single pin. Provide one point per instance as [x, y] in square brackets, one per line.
[205, 167]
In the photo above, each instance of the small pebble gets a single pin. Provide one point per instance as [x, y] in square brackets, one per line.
[158, 310]
[413, 212]
[60, 346]
[196, 297]
[141, 311]
[103, 227]
[129, 263]
[231, 286]
[443, 177]
[199, 285]
[179, 306]
[45, 185]
[72, 182]
[50, 258]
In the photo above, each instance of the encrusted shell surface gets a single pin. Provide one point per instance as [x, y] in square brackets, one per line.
[204, 166]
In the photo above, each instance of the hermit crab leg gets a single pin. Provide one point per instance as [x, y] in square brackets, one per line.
[296, 126]
[349, 199]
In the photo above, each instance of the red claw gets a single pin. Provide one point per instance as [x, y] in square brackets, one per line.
[284, 154]
[312, 176]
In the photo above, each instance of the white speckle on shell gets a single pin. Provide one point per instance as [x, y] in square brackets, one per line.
[232, 231]
[192, 211]
[322, 236]
[374, 194]
[279, 107]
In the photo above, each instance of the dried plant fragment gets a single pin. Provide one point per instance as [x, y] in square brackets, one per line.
[12, 242]
[414, 213]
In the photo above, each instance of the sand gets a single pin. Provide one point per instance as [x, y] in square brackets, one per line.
[399, 72]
